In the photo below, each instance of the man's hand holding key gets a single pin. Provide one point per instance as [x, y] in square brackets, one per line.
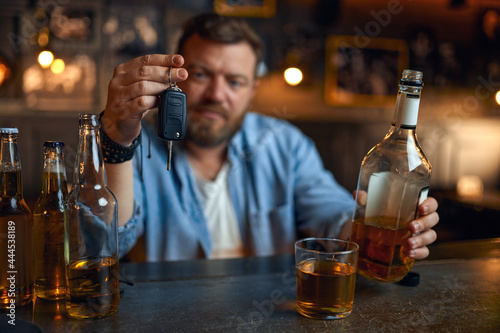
[134, 90]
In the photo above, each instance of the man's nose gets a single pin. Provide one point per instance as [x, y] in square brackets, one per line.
[217, 89]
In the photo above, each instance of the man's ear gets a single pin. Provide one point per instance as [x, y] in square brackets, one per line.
[255, 87]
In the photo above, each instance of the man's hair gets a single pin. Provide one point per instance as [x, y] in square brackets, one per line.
[222, 29]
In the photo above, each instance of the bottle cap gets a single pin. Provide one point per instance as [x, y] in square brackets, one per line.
[412, 78]
[9, 130]
[53, 144]
[411, 279]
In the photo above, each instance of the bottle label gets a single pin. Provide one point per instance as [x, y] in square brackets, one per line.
[407, 112]
[392, 195]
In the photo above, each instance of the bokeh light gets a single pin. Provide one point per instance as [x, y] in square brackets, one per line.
[57, 66]
[5, 72]
[45, 59]
[293, 76]
[43, 37]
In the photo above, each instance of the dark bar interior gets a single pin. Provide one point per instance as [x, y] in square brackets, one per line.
[454, 43]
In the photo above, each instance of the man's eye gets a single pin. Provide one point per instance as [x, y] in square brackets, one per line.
[198, 75]
[236, 83]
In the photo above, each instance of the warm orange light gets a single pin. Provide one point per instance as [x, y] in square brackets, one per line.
[4, 73]
[497, 97]
[470, 186]
[293, 76]
[57, 66]
[45, 59]
[43, 36]
[43, 40]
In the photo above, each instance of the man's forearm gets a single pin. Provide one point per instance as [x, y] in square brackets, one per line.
[121, 182]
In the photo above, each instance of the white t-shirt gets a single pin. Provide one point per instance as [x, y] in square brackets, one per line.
[221, 218]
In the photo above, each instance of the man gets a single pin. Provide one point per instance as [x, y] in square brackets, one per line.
[240, 184]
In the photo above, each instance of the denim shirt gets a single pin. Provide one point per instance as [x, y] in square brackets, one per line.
[277, 182]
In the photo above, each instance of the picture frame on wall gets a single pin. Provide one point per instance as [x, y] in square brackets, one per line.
[246, 8]
[76, 25]
[361, 71]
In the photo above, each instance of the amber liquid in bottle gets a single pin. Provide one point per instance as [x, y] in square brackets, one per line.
[16, 244]
[93, 287]
[383, 251]
[48, 221]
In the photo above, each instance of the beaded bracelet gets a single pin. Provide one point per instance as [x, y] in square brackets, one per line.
[113, 152]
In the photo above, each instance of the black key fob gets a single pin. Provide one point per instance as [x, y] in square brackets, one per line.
[172, 114]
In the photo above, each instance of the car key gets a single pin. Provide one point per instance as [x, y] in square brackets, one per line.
[171, 116]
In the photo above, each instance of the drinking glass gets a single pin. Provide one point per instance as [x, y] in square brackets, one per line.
[326, 276]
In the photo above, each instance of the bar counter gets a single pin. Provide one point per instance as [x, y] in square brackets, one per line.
[459, 291]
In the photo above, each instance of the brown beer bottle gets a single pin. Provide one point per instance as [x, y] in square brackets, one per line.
[48, 222]
[91, 232]
[16, 228]
[393, 180]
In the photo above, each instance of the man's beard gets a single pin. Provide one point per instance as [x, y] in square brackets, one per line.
[202, 132]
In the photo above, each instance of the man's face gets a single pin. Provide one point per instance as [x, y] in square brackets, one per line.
[219, 89]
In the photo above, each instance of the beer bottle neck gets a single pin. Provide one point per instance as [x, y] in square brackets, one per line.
[54, 171]
[9, 153]
[90, 163]
[10, 166]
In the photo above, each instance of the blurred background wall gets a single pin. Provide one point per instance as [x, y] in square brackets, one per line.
[350, 53]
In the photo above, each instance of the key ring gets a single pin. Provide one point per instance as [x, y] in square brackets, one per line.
[170, 86]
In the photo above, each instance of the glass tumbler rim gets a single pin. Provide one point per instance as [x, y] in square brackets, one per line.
[303, 240]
